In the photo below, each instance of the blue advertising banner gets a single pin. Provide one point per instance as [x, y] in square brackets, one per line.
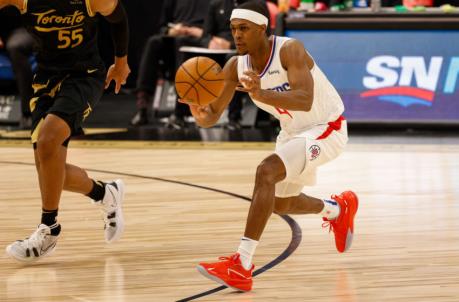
[382, 75]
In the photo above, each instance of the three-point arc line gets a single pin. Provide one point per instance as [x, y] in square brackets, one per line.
[295, 228]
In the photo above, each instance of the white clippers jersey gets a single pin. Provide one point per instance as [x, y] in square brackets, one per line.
[326, 107]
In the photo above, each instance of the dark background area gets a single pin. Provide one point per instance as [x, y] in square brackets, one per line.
[144, 19]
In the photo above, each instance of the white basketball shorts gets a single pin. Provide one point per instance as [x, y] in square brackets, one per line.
[304, 152]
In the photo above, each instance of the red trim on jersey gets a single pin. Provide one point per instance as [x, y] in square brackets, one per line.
[336, 125]
[283, 111]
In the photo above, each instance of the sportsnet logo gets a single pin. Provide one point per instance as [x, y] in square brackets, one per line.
[408, 81]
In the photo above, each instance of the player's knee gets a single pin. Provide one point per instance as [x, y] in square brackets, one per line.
[265, 173]
[47, 146]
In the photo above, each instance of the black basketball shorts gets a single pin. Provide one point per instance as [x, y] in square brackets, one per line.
[70, 96]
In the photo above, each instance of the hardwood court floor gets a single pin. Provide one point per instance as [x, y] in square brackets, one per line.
[406, 246]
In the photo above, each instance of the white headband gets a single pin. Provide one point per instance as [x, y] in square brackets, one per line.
[249, 15]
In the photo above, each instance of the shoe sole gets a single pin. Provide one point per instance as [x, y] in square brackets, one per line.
[119, 213]
[204, 272]
[350, 235]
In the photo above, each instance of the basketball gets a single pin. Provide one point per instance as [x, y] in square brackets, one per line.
[199, 80]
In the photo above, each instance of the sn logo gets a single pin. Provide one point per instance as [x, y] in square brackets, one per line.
[388, 71]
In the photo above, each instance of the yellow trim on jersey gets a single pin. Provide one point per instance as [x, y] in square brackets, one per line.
[88, 8]
[33, 104]
[36, 131]
[52, 93]
[47, 30]
[56, 88]
[87, 112]
[36, 86]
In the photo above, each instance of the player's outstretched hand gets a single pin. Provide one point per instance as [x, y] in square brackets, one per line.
[200, 113]
[118, 72]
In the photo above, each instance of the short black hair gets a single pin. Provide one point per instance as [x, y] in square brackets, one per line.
[260, 7]
[256, 6]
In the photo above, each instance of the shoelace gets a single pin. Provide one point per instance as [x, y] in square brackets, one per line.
[36, 238]
[327, 224]
[231, 258]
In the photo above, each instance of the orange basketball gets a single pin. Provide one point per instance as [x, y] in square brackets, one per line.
[199, 80]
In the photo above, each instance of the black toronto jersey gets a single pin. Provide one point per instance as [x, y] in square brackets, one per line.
[66, 35]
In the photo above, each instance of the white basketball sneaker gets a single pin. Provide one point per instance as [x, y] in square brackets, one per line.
[40, 244]
[111, 208]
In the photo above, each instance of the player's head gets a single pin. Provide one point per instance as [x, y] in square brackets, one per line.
[249, 22]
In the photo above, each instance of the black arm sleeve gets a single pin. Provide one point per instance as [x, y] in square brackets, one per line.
[120, 29]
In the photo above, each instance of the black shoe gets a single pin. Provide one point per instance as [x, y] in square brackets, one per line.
[140, 118]
[175, 122]
[233, 125]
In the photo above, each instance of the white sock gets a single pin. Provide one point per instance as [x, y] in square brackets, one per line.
[330, 210]
[247, 250]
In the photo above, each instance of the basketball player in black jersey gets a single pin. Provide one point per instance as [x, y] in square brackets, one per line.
[68, 83]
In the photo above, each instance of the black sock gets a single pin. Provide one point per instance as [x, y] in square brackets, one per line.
[98, 191]
[55, 229]
[48, 217]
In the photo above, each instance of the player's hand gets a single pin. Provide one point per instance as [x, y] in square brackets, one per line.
[250, 83]
[118, 72]
[200, 113]
[1, 43]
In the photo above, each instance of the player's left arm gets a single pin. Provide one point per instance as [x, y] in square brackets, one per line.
[114, 13]
[19, 4]
[301, 94]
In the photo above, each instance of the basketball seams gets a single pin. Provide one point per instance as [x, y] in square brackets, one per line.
[197, 81]
[201, 76]
[205, 88]
[205, 71]
[188, 91]
[192, 85]
[210, 80]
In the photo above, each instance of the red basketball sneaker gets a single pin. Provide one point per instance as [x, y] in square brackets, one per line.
[229, 272]
[343, 225]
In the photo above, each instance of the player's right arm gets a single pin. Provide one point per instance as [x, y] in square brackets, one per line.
[114, 12]
[207, 116]
[18, 3]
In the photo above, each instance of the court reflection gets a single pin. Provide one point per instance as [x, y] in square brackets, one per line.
[63, 281]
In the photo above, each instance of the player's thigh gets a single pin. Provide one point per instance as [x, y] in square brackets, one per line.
[292, 154]
[76, 100]
[322, 151]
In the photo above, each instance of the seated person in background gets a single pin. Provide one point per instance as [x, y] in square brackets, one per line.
[18, 44]
[217, 35]
[181, 24]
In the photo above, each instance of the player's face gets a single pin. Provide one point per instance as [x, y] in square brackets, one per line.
[246, 35]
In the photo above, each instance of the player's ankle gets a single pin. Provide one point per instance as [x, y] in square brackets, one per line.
[246, 251]
[330, 210]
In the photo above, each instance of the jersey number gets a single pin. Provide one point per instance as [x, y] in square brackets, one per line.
[70, 38]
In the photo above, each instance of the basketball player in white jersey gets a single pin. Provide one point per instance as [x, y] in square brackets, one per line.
[282, 79]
